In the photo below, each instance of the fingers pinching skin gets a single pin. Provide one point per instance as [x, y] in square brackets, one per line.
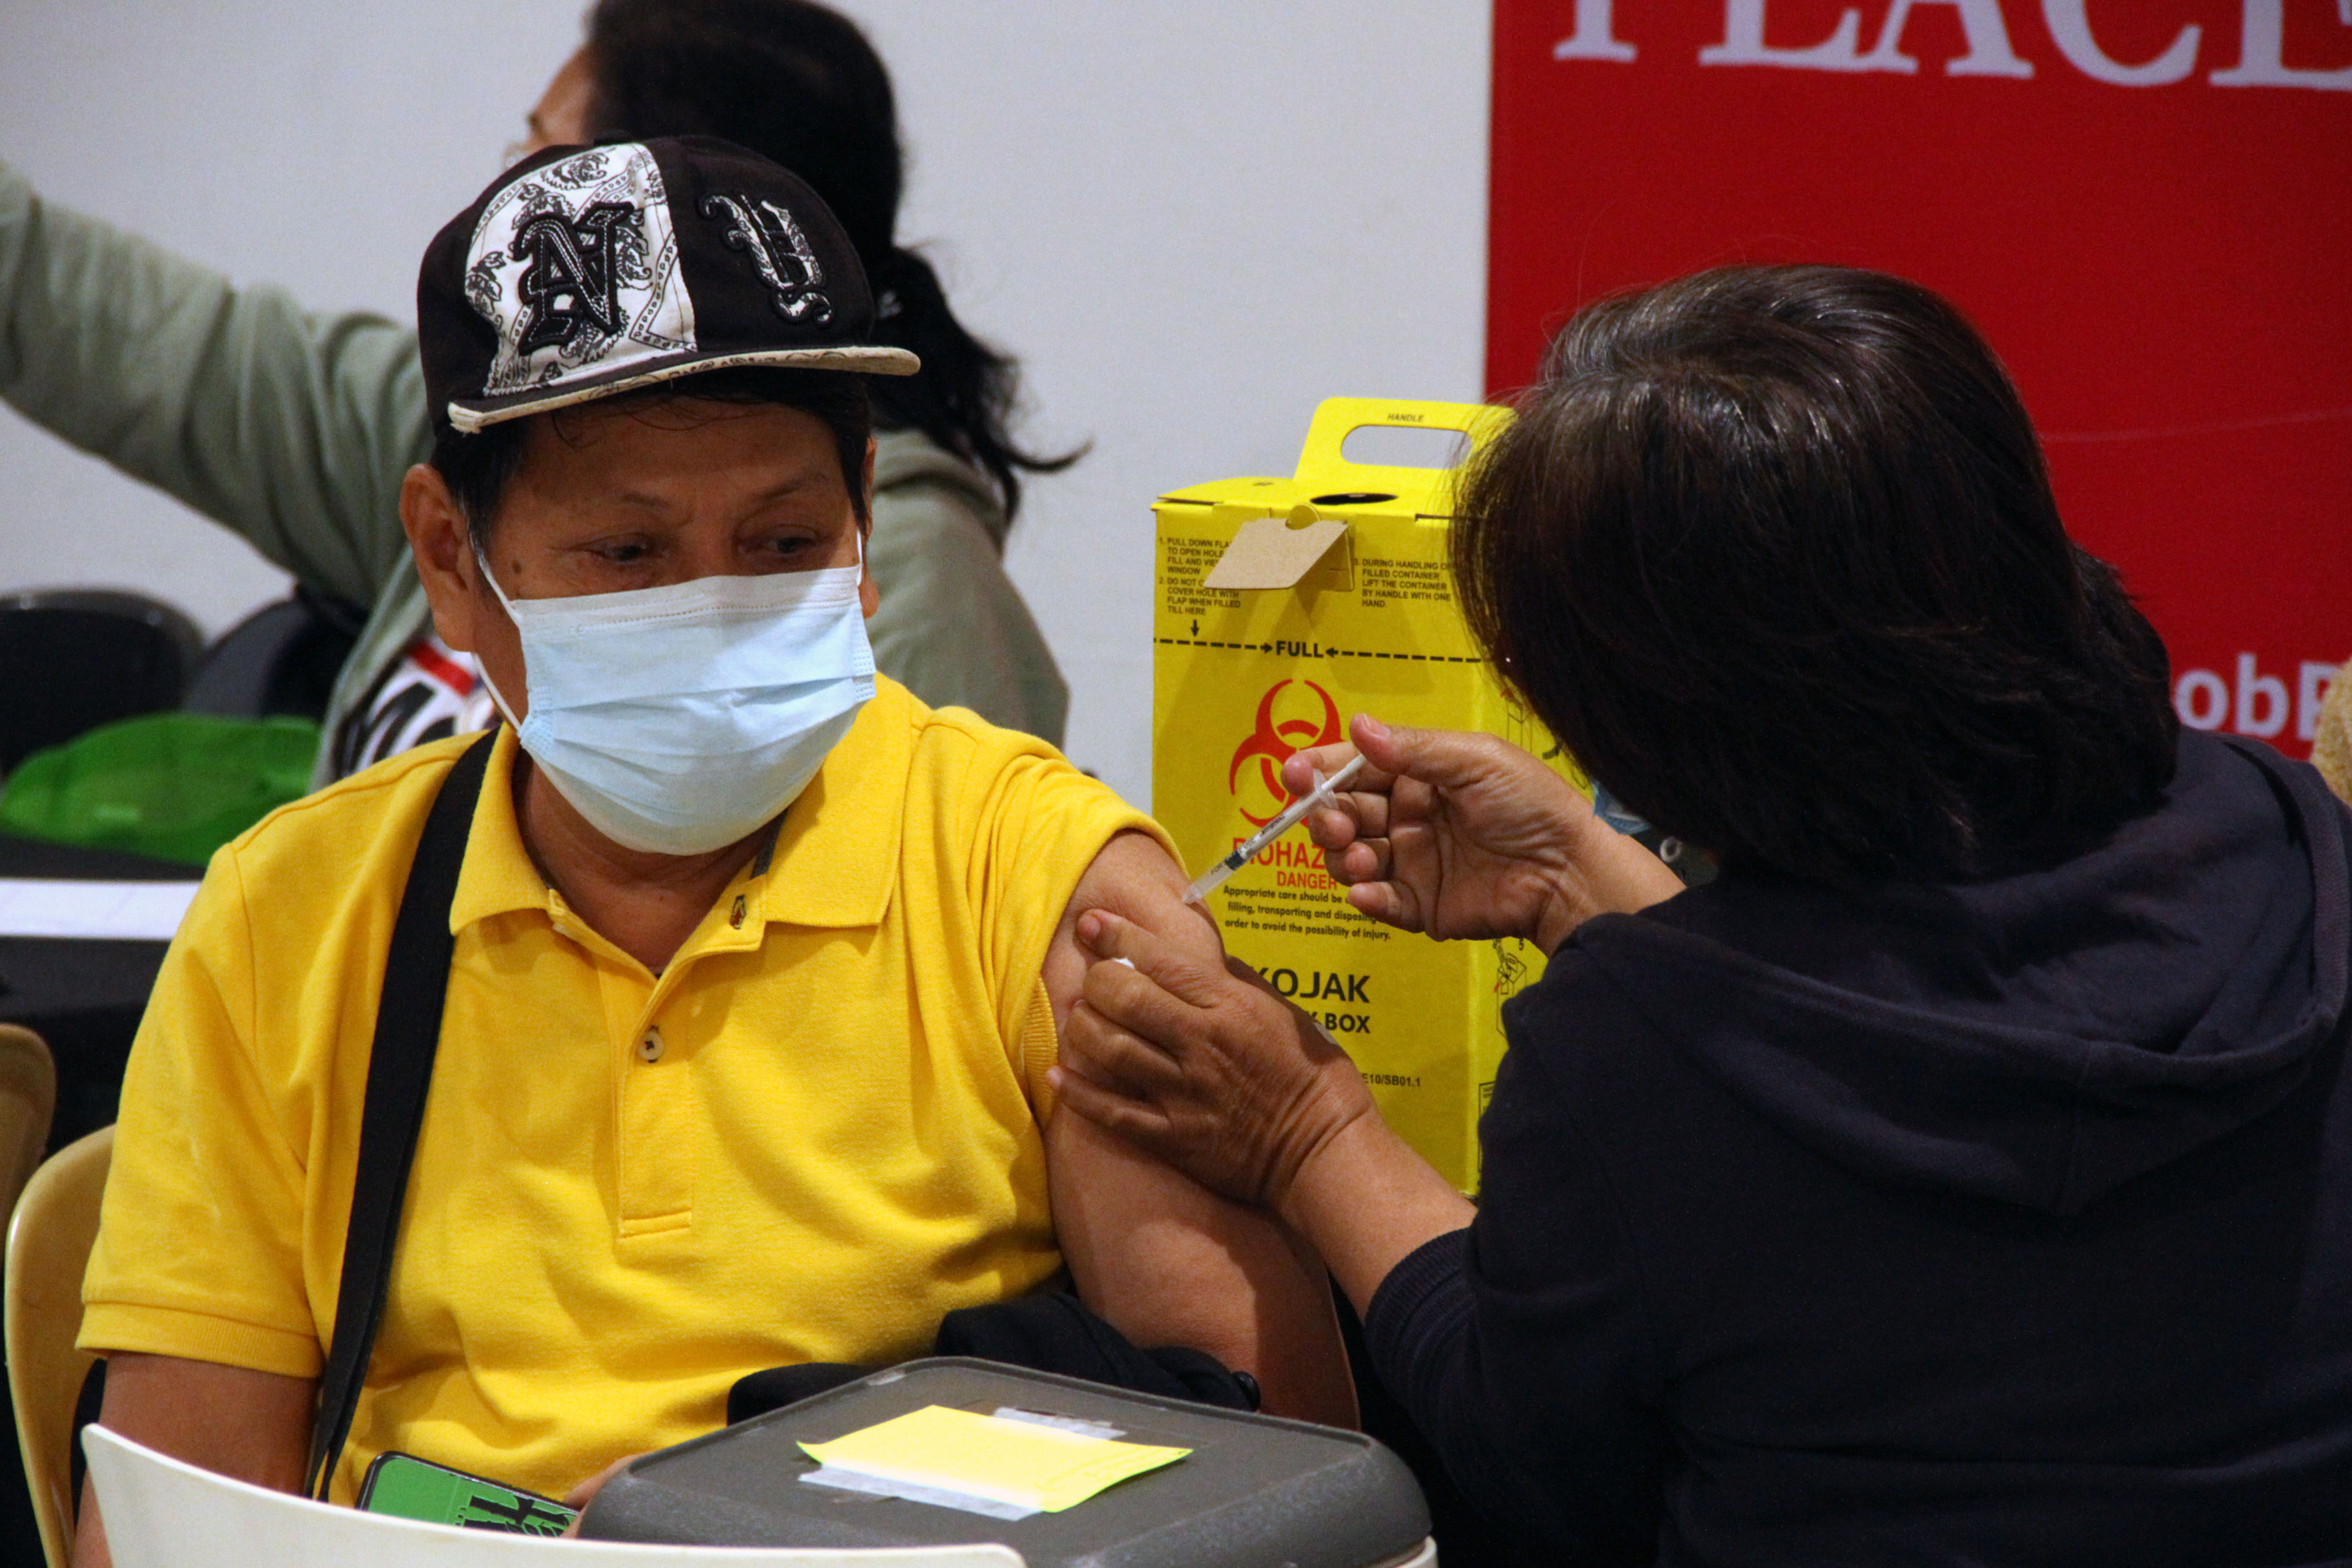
[1115, 1058]
[1235, 1091]
[1143, 1125]
[1135, 1001]
[1108, 936]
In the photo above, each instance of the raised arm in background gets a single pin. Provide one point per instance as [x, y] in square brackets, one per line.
[294, 431]
[290, 429]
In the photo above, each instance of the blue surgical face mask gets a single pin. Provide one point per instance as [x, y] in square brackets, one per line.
[677, 719]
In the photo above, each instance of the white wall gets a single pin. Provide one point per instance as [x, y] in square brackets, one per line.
[1191, 222]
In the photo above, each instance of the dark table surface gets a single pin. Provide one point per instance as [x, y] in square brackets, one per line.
[83, 996]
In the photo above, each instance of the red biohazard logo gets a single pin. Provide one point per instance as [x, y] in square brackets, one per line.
[1275, 741]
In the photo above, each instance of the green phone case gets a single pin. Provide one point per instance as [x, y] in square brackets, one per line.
[409, 1487]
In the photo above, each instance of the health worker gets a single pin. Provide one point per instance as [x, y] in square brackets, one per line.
[1965, 1174]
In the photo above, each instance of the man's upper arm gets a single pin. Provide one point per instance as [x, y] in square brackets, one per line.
[199, 1243]
[290, 429]
[1167, 1261]
[1133, 877]
[253, 1426]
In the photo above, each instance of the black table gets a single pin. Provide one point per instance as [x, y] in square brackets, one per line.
[84, 996]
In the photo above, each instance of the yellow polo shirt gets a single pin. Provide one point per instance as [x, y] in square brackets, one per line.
[809, 1138]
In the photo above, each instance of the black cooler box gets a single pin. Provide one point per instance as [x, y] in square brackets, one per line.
[1255, 1491]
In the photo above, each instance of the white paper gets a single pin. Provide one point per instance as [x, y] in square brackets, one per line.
[161, 1514]
[1074, 1426]
[123, 911]
[842, 1478]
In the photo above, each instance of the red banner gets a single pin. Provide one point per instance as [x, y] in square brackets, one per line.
[2145, 204]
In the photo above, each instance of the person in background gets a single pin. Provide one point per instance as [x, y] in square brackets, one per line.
[1965, 1175]
[294, 430]
[2331, 748]
[756, 961]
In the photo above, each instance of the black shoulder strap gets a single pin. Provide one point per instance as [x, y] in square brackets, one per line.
[400, 1070]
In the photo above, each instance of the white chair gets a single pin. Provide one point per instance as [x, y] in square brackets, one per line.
[161, 1514]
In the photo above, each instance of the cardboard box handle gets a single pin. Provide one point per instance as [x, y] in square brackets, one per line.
[1323, 466]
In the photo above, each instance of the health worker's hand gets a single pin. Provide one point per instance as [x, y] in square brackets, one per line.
[1457, 834]
[1206, 1068]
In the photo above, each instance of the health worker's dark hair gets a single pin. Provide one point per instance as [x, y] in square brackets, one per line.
[1773, 552]
[478, 468]
[797, 82]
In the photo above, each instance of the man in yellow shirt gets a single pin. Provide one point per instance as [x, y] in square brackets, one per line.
[757, 961]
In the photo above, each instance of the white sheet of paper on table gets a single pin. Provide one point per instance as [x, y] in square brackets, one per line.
[121, 912]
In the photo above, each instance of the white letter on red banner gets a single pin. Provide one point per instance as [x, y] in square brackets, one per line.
[1594, 38]
[1981, 24]
[1743, 42]
[2263, 49]
[2071, 28]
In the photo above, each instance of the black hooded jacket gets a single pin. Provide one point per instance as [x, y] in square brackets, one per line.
[1994, 1223]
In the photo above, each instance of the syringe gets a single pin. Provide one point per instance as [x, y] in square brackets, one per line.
[1210, 881]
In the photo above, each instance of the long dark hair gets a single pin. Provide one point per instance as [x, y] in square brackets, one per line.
[1773, 552]
[798, 82]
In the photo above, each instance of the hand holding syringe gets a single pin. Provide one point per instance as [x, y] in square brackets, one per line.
[1210, 881]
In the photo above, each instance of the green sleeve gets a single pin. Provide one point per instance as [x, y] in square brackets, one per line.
[289, 428]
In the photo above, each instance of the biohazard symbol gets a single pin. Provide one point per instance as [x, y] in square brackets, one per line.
[1273, 743]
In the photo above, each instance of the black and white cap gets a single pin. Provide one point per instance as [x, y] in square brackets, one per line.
[584, 273]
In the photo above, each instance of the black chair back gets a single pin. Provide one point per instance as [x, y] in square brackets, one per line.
[74, 659]
[282, 658]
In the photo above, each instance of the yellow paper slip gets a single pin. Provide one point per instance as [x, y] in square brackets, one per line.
[1012, 1461]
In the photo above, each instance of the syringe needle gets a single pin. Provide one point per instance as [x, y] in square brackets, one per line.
[1210, 881]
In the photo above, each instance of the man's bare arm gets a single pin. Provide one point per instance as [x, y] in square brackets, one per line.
[253, 1426]
[1163, 1260]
